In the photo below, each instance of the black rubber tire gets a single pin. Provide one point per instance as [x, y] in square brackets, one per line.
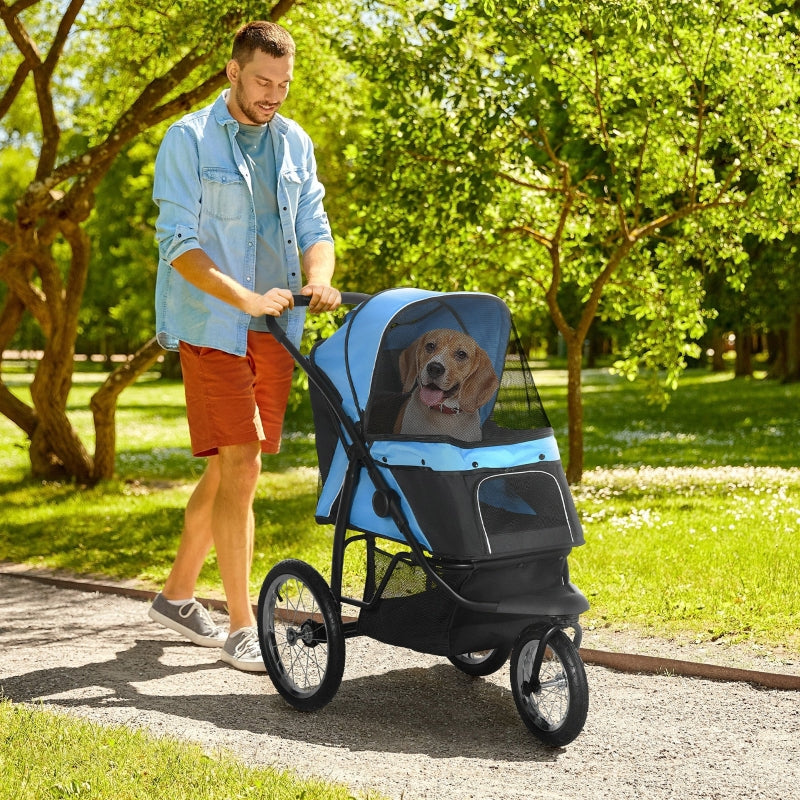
[481, 662]
[300, 633]
[556, 713]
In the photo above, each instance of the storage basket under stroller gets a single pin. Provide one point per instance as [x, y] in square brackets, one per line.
[437, 457]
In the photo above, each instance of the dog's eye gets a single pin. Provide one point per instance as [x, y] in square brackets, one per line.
[430, 347]
[461, 355]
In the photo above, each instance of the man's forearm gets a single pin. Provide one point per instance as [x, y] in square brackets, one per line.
[319, 263]
[199, 269]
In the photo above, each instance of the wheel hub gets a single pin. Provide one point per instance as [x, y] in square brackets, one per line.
[305, 634]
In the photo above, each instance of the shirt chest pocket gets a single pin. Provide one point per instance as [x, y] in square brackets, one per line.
[225, 194]
[292, 183]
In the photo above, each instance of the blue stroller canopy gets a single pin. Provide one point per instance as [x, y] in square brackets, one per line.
[484, 495]
[392, 320]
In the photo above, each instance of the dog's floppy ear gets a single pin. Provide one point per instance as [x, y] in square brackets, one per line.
[408, 365]
[480, 384]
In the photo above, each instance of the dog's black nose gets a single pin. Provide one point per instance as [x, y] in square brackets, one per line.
[435, 369]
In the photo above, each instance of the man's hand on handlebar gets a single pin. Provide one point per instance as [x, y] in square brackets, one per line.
[322, 298]
[273, 303]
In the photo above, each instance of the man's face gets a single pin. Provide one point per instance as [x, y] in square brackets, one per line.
[259, 87]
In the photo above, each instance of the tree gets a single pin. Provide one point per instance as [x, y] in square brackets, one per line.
[98, 75]
[561, 150]
[770, 302]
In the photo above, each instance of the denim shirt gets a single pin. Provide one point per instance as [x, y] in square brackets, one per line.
[203, 191]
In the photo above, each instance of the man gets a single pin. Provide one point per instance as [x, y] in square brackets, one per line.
[239, 200]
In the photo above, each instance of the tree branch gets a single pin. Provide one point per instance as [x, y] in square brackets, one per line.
[537, 236]
[16, 270]
[104, 403]
[92, 164]
[7, 231]
[11, 92]
[20, 413]
[42, 75]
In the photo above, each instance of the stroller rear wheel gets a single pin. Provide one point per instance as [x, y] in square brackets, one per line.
[301, 637]
[481, 662]
[555, 703]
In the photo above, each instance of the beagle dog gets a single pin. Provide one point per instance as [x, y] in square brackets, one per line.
[449, 377]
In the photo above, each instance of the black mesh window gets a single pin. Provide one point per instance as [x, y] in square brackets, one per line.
[523, 508]
[441, 374]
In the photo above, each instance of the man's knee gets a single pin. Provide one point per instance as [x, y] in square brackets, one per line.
[240, 463]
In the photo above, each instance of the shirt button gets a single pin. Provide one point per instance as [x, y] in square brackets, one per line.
[248, 279]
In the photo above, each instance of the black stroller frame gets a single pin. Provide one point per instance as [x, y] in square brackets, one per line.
[475, 608]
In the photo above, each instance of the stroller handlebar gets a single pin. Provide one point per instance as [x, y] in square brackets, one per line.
[348, 299]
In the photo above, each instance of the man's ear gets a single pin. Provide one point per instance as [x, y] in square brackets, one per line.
[232, 70]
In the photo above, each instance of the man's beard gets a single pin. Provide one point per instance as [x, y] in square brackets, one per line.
[256, 115]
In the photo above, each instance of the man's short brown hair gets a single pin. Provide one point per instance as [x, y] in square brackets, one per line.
[268, 37]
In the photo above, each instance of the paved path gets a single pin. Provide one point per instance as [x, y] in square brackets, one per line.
[407, 725]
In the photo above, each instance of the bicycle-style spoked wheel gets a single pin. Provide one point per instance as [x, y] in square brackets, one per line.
[555, 707]
[301, 637]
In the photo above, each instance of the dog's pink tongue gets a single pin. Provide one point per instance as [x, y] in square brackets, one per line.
[431, 396]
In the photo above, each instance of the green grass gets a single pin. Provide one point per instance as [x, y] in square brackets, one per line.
[690, 512]
[712, 419]
[710, 553]
[691, 515]
[45, 756]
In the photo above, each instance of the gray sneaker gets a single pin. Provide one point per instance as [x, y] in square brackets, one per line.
[242, 651]
[190, 620]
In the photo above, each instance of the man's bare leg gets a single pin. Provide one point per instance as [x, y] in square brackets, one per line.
[233, 527]
[197, 537]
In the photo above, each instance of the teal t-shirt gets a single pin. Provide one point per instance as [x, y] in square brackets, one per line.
[255, 142]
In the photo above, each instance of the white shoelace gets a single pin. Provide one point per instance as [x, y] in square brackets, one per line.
[186, 610]
[247, 646]
[205, 624]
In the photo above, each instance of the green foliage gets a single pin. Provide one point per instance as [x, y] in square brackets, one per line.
[576, 147]
[118, 313]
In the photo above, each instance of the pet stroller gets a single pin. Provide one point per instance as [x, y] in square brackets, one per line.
[464, 544]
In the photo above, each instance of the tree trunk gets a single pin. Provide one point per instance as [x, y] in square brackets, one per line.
[718, 348]
[104, 407]
[744, 353]
[793, 347]
[574, 469]
[56, 449]
[776, 344]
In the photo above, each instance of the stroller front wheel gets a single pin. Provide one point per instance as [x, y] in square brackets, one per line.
[554, 704]
[300, 633]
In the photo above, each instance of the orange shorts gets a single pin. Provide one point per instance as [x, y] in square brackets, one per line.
[236, 399]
